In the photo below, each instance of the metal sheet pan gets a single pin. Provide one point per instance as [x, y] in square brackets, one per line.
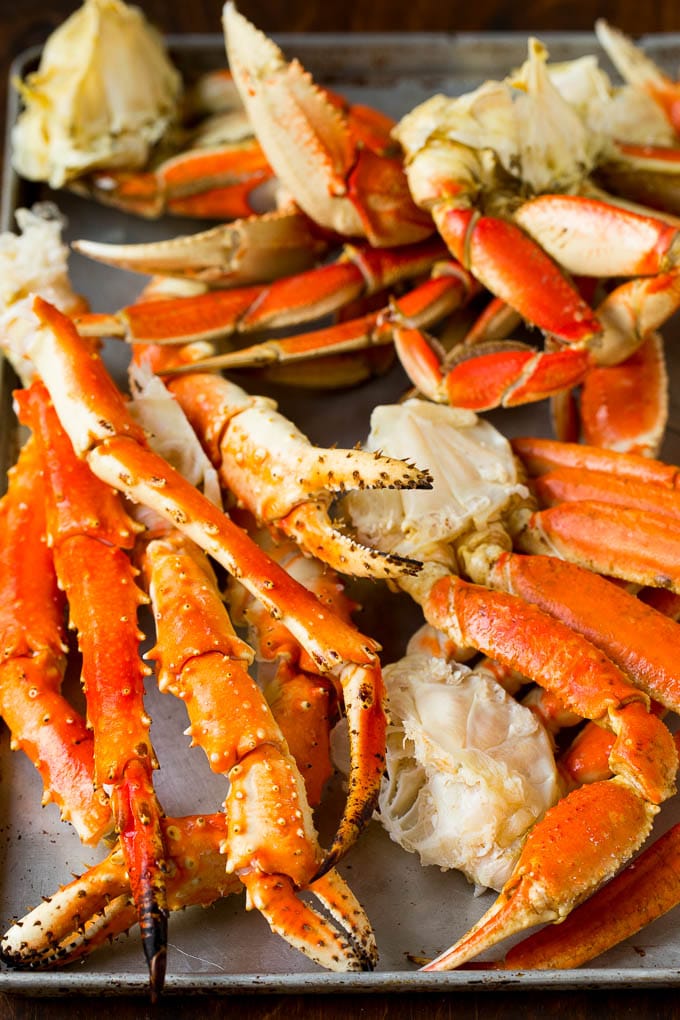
[416, 911]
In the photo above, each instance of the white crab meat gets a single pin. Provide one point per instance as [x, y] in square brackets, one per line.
[105, 92]
[474, 475]
[35, 261]
[469, 770]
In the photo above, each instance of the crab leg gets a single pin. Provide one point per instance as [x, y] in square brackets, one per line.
[89, 532]
[304, 702]
[253, 250]
[618, 499]
[286, 301]
[207, 183]
[41, 721]
[271, 842]
[103, 434]
[427, 303]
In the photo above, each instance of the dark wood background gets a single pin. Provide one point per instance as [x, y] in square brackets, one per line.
[24, 23]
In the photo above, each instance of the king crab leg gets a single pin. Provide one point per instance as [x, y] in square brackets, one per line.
[42, 723]
[271, 842]
[89, 532]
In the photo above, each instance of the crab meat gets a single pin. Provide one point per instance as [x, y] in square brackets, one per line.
[80, 111]
[469, 771]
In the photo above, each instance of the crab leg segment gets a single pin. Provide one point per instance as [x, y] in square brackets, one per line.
[208, 183]
[605, 502]
[89, 532]
[303, 702]
[489, 375]
[286, 301]
[340, 181]
[648, 888]
[577, 597]
[567, 227]
[427, 303]
[41, 721]
[544, 888]
[271, 841]
[104, 435]
[252, 250]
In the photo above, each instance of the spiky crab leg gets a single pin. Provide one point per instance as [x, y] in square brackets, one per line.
[103, 434]
[342, 183]
[271, 841]
[286, 301]
[89, 532]
[42, 723]
[273, 470]
[305, 703]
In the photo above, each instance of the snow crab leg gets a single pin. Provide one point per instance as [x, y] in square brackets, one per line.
[103, 434]
[288, 300]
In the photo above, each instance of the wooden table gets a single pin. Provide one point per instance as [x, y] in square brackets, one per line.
[25, 23]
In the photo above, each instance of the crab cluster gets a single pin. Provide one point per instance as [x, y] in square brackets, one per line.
[493, 205]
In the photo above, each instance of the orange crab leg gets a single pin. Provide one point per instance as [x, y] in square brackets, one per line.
[648, 888]
[424, 305]
[541, 455]
[89, 531]
[41, 721]
[576, 597]
[508, 263]
[625, 407]
[592, 822]
[214, 183]
[567, 484]
[607, 821]
[286, 301]
[271, 842]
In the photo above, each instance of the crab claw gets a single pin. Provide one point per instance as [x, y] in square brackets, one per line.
[544, 887]
[274, 470]
[340, 183]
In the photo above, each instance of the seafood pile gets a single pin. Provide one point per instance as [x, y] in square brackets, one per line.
[519, 738]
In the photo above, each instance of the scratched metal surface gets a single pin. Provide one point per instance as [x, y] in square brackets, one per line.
[415, 911]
